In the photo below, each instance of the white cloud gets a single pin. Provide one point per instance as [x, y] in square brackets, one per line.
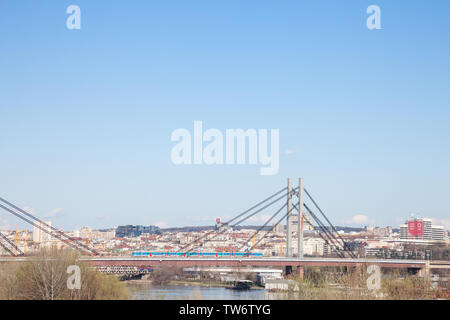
[4, 225]
[53, 213]
[358, 219]
[400, 220]
[288, 152]
[161, 224]
[441, 222]
[257, 219]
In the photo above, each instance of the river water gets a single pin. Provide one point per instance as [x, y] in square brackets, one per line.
[147, 291]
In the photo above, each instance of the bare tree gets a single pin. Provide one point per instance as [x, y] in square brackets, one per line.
[44, 277]
[162, 275]
[8, 281]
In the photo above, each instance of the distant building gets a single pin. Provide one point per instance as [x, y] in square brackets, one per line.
[403, 231]
[421, 229]
[307, 222]
[438, 233]
[222, 226]
[83, 233]
[279, 228]
[382, 232]
[428, 229]
[40, 236]
[281, 285]
[135, 231]
[314, 246]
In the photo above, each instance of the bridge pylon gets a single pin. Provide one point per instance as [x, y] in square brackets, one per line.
[289, 219]
[300, 218]
[291, 192]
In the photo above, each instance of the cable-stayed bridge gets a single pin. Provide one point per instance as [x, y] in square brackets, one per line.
[284, 204]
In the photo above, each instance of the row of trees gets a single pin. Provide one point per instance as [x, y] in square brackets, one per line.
[351, 284]
[44, 277]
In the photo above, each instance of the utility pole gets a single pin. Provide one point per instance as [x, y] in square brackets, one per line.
[288, 220]
[300, 218]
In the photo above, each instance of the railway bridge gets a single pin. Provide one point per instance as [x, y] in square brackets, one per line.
[144, 265]
[289, 264]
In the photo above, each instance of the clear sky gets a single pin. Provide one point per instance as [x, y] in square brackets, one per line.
[86, 115]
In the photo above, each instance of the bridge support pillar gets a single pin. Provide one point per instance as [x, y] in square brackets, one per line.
[425, 271]
[415, 271]
[288, 271]
[300, 272]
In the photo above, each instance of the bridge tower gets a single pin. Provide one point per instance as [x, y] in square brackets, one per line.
[300, 218]
[289, 219]
[290, 194]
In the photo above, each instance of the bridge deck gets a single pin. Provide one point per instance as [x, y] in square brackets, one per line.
[255, 262]
[251, 262]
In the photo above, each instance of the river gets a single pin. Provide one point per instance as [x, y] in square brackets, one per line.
[148, 291]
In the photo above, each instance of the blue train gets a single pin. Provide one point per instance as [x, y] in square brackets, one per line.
[196, 254]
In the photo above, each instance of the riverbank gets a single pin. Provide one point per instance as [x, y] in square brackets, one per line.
[197, 283]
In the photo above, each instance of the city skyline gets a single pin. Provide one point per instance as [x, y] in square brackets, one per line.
[88, 114]
[252, 223]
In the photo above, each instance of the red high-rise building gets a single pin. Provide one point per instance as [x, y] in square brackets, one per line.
[415, 228]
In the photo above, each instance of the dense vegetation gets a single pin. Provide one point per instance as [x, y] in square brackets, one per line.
[341, 284]
[44, 277]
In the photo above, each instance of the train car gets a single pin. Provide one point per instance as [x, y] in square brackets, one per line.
[196, 254]
[145, 269]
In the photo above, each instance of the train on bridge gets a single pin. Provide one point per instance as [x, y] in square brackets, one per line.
[196, 254]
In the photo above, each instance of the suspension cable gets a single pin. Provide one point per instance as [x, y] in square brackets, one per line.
[329, 222]
[263, 226]
[48, 226]
[274, 226]
[41, 227]
[332, 239]
[257, 205]
[326, 241]
[20, 253]
[237, 217]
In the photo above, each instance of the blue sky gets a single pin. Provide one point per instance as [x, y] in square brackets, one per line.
[87, 114]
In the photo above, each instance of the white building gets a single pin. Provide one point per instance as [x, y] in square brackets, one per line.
[281, 285]
[313, 246]
[39, 236]
[438, 233]
[403, 231]
[427, 229]
[84, 233]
